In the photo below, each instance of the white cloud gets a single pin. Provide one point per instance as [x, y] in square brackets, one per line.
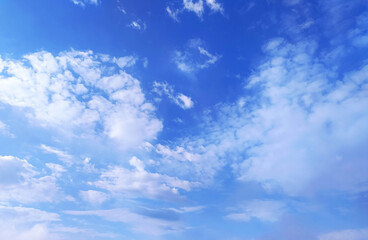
[194, 6]
[173, 13]
[141, 183]
[76, 91]
[94, 197]
[138, 25]
[292, 136]
[194, 57]
[4, 129]
[56, 169]
[26, 215]
[84, 2]
[21, 183]
[21, 223]
[353, 234]
[214, 6]
[147, 221]
[63, 156]
[126, 61]
[179, 154]
[266, 211]
[179, 99]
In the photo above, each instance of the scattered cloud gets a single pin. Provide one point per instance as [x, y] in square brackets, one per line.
[266, 211]
[179, 99]
[138, 182]
[94, 197]
[21, 183]
[195, 6]
[83, 3]
[138, 25]
[195, 57]
[75, 92]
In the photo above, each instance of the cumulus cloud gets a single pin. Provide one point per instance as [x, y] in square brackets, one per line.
[21, 183]
[266, 211]
[194, 57]
[179, 99]
[139, 182]
[75, 92]
[303, 132]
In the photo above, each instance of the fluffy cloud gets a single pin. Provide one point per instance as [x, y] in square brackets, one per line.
[267, 211]
[353, 234]
[304, 125]
[21, 183]
[179, 99]
[141, 183]
[78, 91]
[194, 57]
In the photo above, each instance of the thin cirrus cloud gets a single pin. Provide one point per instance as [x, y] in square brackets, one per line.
[83, 3]
[179, 99]
[194, 57]
[266, 211]
[75, 91]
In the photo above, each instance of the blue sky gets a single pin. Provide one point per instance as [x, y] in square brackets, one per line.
[184, 119]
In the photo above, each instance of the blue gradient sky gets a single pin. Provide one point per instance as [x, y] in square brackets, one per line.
[184, 119]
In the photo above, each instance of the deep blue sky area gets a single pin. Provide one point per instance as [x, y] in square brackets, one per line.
[183, 119]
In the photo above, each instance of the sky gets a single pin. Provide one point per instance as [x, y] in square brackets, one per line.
[184, 119]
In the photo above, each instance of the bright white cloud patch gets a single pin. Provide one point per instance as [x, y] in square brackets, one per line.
[77, 91]
[304, 131]
[195, 57]
[179, 99]
[139, 182]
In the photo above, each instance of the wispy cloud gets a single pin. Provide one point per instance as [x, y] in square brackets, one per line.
[179, 99]
[194, 57]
